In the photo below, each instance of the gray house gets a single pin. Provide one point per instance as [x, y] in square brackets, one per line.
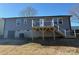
[38, 26]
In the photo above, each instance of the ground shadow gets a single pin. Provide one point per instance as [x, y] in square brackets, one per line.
[45, 42]
[58, 42]
[10, 41]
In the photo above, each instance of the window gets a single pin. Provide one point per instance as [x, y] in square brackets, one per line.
[25, 21]
[41, 22]
[27, 30]
[32, 23]
[55, 20]
[35, 23]
[21, 35]
[60, 21]
[67, 29]
[18, 22]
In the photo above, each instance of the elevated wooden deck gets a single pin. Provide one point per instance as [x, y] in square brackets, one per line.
[49, 29]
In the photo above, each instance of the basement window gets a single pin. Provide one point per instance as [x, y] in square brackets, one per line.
[27, 30]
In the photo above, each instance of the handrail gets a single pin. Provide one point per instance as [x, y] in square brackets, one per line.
[74, 33]
[60, 29]
[64, 31]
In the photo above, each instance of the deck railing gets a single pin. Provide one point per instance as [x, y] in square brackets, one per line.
[60, 29]
[39, 24]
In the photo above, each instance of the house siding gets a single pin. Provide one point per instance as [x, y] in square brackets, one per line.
[9, 26]
[26, 28]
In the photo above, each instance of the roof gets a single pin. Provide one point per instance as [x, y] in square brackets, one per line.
[42, 16]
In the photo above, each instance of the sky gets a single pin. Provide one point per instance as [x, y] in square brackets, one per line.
[43, 9]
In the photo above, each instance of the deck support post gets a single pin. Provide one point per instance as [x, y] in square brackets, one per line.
[65, 33]
[32, 30]
[58, 28]
[43, 33]
[54, 34]
[75, 33]
[32, 34]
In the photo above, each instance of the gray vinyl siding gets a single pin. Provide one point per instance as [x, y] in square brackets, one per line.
[24, 26]
[48, 21]
[11, 24]
[66, 23]
[29, 24]
[36, 22]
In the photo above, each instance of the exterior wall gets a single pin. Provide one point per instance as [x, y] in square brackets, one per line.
[1, 27]
[66, 23]
[48, 21]
[10, 25]
[26, 27]
[27, 34]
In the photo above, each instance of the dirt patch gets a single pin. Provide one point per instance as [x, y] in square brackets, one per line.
[37, 49]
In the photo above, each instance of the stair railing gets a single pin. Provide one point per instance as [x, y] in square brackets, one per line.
[60, 29]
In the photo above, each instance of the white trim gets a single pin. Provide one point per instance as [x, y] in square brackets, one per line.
[52, 22]
[18, 21]
[58, 28]
[75, 33]
[32, 23]
[65, 32]
[41, 22]
[25, 21]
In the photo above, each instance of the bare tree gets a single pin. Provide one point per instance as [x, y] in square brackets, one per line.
[75, 11]
[29, 11]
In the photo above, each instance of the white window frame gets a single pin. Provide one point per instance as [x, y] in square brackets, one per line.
[52, 22]
[32, 23]
[18, 21]
[25, 21]
[41, 22]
